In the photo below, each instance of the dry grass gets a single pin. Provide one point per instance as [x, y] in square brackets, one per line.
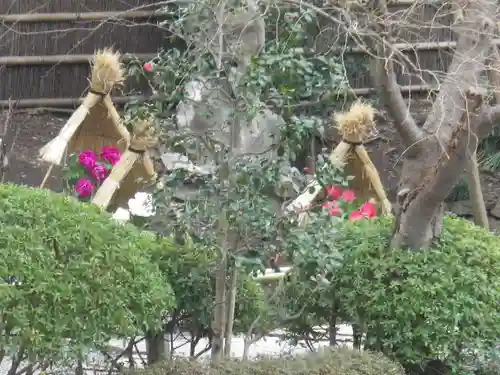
[107, 71]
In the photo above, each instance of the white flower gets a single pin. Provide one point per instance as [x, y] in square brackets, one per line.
[141, 205]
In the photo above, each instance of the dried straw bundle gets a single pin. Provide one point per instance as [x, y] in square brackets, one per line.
[142, 174]
[355, 126]
[136, 156]
[96, 122]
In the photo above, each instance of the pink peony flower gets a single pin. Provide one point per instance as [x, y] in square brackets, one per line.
[368, 210]
[348, 195]
[148, 67]
[111, 154]
[333, 208]
[99, 172]
[355, 216]
[334, 192]
[87, 159]
[84, 188]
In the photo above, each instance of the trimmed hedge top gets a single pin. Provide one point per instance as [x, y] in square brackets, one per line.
[81, 275]
[329, 362]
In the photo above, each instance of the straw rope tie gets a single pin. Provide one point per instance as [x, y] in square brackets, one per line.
[354, 144]
[142, 140]
[98, 93]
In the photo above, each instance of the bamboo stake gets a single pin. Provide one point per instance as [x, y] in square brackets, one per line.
[86, 16]
[120, 100]
[63, 59]
[67, 102]
[476, 193]
[409, 47]
[54, 150]
[230, 310]
[47, 174]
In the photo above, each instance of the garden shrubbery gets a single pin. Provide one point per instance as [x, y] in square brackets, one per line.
[190, 272]
[71, 277]
[335, 362]
[416, 306]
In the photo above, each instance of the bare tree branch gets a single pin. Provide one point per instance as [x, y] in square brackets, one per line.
[387, 85]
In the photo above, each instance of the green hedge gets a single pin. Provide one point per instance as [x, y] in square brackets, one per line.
[82, 276]
[335, 362]
[413, 305]
[419, 305]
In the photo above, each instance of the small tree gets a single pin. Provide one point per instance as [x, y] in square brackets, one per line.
[236, 126]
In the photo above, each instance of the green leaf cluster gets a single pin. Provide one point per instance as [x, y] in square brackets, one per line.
[71, 277]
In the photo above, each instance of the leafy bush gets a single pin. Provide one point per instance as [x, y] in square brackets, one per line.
[190, 270]
[72, 276]
[426, 304]
[337, 362]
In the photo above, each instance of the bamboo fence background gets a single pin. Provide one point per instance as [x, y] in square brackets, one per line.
[45, 45]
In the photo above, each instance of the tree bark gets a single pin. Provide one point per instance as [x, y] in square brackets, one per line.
[476, 194]
[450, 132]
[219, 315]
[155, 347]
[231, 305]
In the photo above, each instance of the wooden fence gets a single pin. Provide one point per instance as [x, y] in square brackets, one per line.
[45, 45]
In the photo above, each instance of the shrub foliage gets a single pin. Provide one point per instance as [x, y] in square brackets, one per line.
[72, 276]
[426, 304]
[337, 362]
[190, 271]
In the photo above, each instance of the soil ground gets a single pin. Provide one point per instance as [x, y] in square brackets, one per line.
[27, 132]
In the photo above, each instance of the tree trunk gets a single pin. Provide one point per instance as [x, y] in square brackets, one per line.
[219, 315]
[231, 305]
[428, 177]
[476, 194]
[332, 329]
[438, 152]
[155, 347]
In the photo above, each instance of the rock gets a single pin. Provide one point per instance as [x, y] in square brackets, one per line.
[495, 211]
[494, 225]
[460, 208]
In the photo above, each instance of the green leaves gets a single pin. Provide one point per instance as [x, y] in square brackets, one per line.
[421, 304]
[82, 277]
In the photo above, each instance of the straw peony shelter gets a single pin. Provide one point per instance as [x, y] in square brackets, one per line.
[134, 170]
[96, 123]
[355, 126]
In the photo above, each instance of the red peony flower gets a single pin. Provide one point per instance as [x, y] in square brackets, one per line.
[111, 154]
[148, 66]
[333, 192]
[333, 208]
[348, 195]
[355, 216]
[368, 210]
[84, 188]
[87, 159]
[99, 172]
